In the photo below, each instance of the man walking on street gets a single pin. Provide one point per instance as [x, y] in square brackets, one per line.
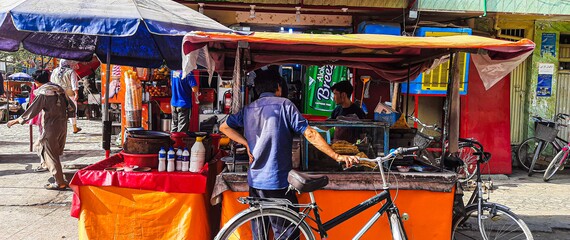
[56, 106]
[66, 77]
[181, 102]
[269, 125]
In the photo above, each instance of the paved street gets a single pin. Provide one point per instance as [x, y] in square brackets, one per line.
[27, 211]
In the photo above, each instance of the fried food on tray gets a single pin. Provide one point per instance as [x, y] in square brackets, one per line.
[345, 148]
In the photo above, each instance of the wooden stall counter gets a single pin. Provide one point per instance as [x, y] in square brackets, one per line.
[140, 205]
[426, 197]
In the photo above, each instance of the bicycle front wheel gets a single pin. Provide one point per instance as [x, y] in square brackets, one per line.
[554, 165]
[287, 224]
[497, 222]
[527, 150]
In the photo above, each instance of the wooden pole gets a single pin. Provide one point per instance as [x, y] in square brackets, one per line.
[455, 108]
[395, 92]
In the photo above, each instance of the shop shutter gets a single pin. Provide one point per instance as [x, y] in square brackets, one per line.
[563, 99]
[518, 95]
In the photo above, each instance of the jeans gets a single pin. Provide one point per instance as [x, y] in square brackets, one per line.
[277, 224]
[180, 119]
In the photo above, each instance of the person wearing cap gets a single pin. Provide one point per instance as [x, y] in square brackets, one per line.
[269, 125]
[56, 106]
[66, 77]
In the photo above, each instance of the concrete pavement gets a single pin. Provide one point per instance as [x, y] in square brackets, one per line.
[27, 211]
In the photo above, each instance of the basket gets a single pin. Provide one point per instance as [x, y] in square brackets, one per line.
[421, 140]
[389, 118]
[545, 132]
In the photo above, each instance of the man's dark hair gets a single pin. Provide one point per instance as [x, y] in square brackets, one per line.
[41, 76]
[343, 87]
[266, 81]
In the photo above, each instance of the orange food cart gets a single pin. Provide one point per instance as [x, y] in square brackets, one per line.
[426, 197]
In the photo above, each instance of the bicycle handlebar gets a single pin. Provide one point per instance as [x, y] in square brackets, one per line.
[434, 127]
[398, 151]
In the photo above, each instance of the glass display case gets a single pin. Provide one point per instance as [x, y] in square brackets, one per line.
[362, 138]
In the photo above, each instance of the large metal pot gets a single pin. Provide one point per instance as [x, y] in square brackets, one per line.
[146, 142]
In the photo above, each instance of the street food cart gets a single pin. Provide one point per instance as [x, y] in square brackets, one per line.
[427, 197]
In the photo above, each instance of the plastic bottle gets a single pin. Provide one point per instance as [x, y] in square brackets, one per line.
[197, 155]
[162, 160]
[179, 159]
[185, 160]
[171, 160]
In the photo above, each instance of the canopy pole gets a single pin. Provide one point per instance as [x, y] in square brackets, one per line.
[446, 109]
[408, 94]
[106, 123]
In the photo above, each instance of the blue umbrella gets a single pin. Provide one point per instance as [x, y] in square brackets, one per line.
[20, 76]
[141, 33]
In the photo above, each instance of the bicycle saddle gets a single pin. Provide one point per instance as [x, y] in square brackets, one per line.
[306, 182]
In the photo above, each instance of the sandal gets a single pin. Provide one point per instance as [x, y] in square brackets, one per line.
[55, 186]
[40, 169]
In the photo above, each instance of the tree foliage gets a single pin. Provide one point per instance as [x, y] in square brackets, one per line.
[22, 59]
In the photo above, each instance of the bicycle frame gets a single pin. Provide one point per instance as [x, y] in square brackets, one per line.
[387, 207]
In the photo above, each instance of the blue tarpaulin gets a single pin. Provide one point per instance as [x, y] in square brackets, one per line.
[142, 33]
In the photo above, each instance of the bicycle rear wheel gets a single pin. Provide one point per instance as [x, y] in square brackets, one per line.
[497, 222]
[554, 165]
[527, 149]
[467, 154]
[239, 227]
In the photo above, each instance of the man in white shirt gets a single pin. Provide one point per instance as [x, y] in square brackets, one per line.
[65, 76]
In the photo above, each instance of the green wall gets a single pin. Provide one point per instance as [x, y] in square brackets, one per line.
[557, 7]
[543, 106]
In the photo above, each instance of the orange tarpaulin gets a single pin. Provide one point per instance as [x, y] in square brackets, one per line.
[430, 213]
[393, 58]
[123, 213]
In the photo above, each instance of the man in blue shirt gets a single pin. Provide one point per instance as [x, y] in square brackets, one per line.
[181, 102]
[269, 125]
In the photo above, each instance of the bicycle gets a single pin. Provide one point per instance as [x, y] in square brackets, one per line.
[290, 221]
[486, 219]
[535, 153]
[557, 163]
[467, 146]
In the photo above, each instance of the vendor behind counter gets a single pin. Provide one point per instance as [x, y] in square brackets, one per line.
[345, 108]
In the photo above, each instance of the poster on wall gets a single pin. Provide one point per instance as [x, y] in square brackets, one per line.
[544, 86]
[319, 98]
[548, 45]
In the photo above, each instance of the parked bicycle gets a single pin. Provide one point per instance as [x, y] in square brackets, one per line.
[487, 220]
[557, 163]
[467, 147]
[535, 153]
[261, 211]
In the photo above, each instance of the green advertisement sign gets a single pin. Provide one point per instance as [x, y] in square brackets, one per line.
[318, 95]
